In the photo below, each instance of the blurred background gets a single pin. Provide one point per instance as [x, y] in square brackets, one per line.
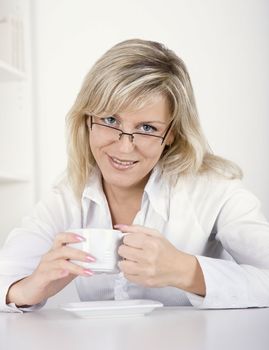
[47, 47]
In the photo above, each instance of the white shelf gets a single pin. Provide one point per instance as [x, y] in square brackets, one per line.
[17, 191]
[9, 73]
[11, 178]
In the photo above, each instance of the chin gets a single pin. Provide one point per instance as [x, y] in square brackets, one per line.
[120, 181]
[124, 179]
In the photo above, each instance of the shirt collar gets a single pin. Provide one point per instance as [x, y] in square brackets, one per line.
[94, 188]
[156, 190]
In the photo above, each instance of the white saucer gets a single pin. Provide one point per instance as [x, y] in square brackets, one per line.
[112, 308]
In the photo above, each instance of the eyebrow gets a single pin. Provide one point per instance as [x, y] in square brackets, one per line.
[154, 122]
[145, 121]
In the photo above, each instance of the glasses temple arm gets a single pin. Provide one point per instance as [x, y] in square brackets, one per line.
[167, 131]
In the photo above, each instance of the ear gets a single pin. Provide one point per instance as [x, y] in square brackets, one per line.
[170, 139]
[88, 121]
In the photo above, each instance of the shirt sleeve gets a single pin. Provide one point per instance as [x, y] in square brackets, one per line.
[243, 232]
[25, 245]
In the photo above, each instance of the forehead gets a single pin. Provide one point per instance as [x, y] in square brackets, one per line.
[155, 108]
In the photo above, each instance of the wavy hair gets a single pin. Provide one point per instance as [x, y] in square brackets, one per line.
[126, 77]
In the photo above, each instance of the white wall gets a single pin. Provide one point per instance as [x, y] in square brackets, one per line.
[224, 44]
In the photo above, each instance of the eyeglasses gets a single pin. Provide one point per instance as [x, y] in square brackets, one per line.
[111, 133]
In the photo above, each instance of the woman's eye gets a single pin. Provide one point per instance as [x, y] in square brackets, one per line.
[148, 128]
[109, 120]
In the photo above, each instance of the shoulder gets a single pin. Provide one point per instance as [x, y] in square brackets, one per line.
[205, 183]
[62, 188]
[209, 183]
[210, 190]
[60, 198]
[209, 196]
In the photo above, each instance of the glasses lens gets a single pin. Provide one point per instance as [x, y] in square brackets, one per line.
[107, 133]
[111, 134]
[146, 140]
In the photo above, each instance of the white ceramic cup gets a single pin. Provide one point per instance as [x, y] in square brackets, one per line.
[103, 245]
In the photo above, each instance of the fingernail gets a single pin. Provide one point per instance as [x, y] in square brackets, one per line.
[79, 238]
[89, 258]
[87, 272]
[120, 225]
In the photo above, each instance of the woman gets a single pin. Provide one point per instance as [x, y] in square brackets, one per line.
[139, 162]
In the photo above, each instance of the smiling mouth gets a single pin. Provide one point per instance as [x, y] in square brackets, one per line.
[122, 164]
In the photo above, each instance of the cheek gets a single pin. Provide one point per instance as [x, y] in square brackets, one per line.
[94, 147]
[151, 156]
[92, 139]
[95, 142]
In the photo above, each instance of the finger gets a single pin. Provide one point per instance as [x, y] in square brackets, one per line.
[137, 229]
[66, 237]
[58, 274]
[66, 252]
[135, 240]
[130, 253]
[67, 266]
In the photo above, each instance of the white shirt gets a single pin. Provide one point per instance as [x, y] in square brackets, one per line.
[213, 218]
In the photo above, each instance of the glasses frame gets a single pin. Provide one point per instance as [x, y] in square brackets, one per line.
[131, 135]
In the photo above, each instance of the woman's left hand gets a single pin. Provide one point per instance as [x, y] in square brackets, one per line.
[152, 261]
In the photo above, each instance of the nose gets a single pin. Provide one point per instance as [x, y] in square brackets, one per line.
[131, 136]
[126, 142]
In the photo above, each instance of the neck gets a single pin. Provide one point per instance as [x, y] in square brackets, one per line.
[119, 195]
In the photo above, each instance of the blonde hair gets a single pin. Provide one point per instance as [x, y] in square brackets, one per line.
[126, 77]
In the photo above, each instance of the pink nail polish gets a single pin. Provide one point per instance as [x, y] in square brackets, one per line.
[79, 238]
[87, 273]
[90, 258]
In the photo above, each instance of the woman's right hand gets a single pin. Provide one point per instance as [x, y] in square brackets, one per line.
[52, 274]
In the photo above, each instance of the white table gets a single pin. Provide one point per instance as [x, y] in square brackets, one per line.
[167, 328]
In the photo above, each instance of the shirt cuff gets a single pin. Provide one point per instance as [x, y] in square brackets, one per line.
[226, 286]
[195, 300]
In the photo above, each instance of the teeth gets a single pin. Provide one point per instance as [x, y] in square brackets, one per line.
[121, 162]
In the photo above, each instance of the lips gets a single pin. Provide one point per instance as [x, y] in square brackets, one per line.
[122, 163]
